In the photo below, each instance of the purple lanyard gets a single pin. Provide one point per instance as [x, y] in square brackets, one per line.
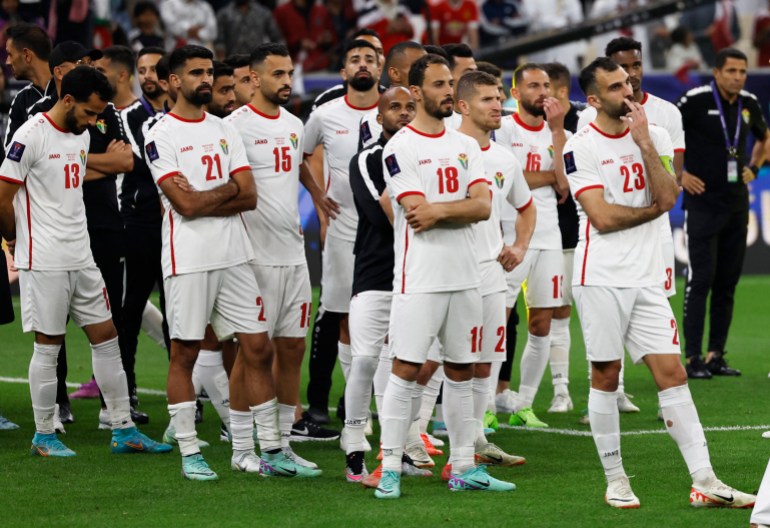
[147, 106]
[732, 149]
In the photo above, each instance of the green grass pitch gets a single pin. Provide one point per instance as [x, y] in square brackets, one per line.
[562, 483]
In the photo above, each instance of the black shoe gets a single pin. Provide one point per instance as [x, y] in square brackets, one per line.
[198, 411]
[139, 417]
[355, 463]
[341, 409]
[306, 430]
[696, 369]
[65, 414]
[318, 416]
[718, 367]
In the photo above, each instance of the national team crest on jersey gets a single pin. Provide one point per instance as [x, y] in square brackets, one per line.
[294, 140]
[152, 151]
[82, 156]
[746, 115]
[463, 159]
[16, 151]
[569, 162]
[499, 180]
[223, 144]
[366, 133]
[550, 151]
[101, 126]
[392, 165]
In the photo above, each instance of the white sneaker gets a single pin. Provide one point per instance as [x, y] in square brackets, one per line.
[289, 452]
[368, 431]
[561, 403]
[344, 441]
[625, 405]
[247, 461]
[620, 495]
[419, 455]
[105, 423]
[718, 494]
[437, 442]
[504, 401]
[57, 425]
[766, 434]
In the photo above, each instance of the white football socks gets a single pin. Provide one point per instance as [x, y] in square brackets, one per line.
[394, 420]
[210, 372]
[242, 430]
[111, 378]
[268, 432]
[480, 387]
[152, 324]
[413, 432]
[605, 428]
[183, 422]
[429, 397]
[559, 356]
[358, 396]
[494, 376]
[460, 423]
[42, 385]
[381, 376]
[533, 362]
[760, 515]
[345, 357]
[285, 421]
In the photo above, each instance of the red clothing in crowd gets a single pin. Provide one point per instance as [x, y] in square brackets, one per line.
[316, 27]
[454, 20]
[762, 39]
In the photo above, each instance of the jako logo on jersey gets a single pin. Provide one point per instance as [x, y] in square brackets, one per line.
[83, 156]
[392, 165]
[746, 115]
[101, 126]
[425, 162]
[16, 151]
[260, 142]
[517, 144]
[188, 148]
[499, 180]
[463, 159]
[152, 151]
[54, 156]
[294, 140]
[569, 162]
[608, 162]
[223, 144]
[342, 132]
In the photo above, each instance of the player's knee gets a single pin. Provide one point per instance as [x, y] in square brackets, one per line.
[256, 351]
[540, 324]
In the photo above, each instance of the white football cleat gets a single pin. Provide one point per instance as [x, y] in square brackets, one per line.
[625, 405]
[720, 495]
[561, 403]
[368, 431]
[247, 462]
[437, 442]
[620, 495]
[766, 434]
[419, 455]
[504, 401]
[58, 427]
[289, 452]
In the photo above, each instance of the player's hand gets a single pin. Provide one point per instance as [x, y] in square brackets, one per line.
[692, 184]
[328, 207]
[554, 113]
[182, 182]
[510, 257]
[117, 146]
[561, 188]
[422, 217]
[748, 175]
[636, 119]
[11, 245]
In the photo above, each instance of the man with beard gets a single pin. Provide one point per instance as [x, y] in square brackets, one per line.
[435, 179]
[460, 57]
[244, 87]
[335, 125]
[200, 165]
[621, 174]
[536, 136]
[273, 139]
[117, 64]
[222, 91]
[41, 192]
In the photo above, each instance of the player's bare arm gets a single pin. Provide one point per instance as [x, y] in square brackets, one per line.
[118, 158]
[7, 217]
[663, 186]
[329, 207]
[759, 153]
[554, 114]
[511, 256]
[692, 184]
[387, 206]
[192, 203]
[537, 179]
[606, 217]
[245, 200]
[422, 215]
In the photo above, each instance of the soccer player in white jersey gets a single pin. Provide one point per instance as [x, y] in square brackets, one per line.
[480, 105]
[200, 165]
[42, 213]
[621, 173]
[273, 140]
[437, 187]
[535, 134]
[335, 125]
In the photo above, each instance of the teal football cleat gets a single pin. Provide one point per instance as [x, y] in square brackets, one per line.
[46, 445]
[194, 467]
[279, 465]
[130, 440]
[389, 486]
[477, 479]
[169, 437]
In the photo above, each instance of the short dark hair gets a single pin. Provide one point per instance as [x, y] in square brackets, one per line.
[365, 32]
[455, 51]
[518, 74]
[400, 49]
[491, 69]
[467, 84]
[162, 69]
[143, 6]
[679, 35]
[238, 60]
[82, 81]
[151, 50]
[358, 43]
[587, 77]
[622, 44]
[558, 73]
[436, 50]
[222, 69]
[122, 55]
[180, 56]
[263, 51]
[31, 37]
[728, 53]
[417, 70]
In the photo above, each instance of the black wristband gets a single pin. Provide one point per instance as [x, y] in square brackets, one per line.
[754, 169]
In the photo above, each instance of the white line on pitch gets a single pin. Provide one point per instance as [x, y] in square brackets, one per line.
[577, 432]
[151, 392]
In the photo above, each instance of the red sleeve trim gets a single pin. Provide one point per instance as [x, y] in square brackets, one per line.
[240, 169]
[520, 209]
[11, 180]
[588, 189]
[409, 193]
[170, 174]
[679, 150]
[478, 180]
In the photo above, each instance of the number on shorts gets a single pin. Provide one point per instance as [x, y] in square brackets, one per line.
[675, 341]
[669, 278]
[477, 335]
[261, 306]
[304, 321]
[282, 159]
[500, 342]
[558, 286]
[447, 180]
[209, 162]
[71, 176]
[638, 170]
[533, 162]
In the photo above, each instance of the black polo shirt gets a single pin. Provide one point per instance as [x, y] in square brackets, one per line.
[21, 107]
[706, 155]
[568, 216]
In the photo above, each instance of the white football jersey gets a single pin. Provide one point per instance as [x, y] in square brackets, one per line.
[274, 149]
[663, 114]
[369, 130]
[336, 126]
[629, 257]
[207, 152]
[49, 163]
[454, 121]
[441, 168]
[533, 147]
